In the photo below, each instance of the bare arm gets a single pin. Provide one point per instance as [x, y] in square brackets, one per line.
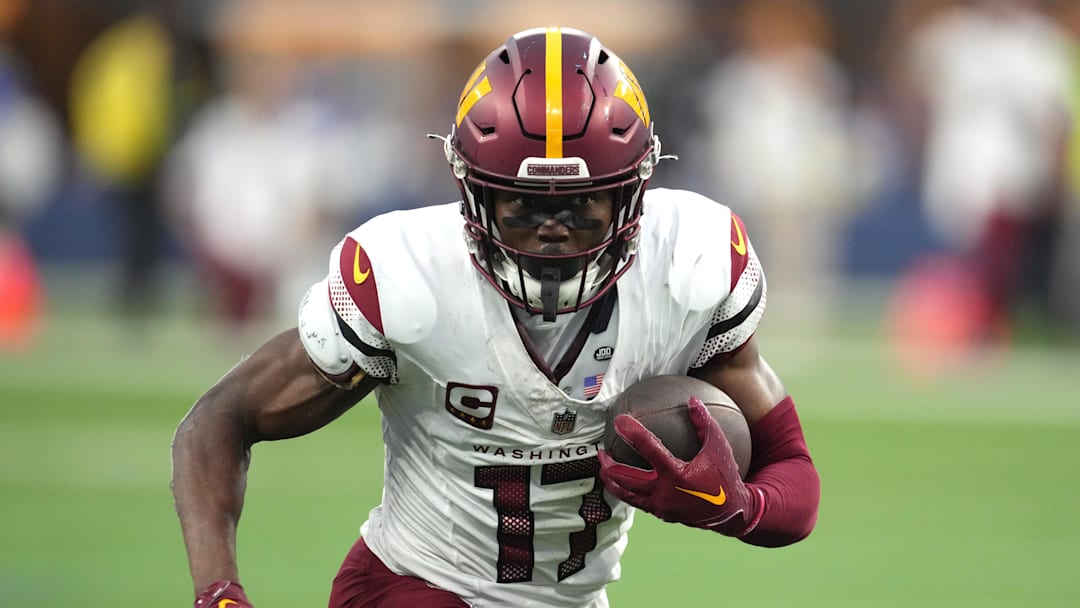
[781, 472]
[747, 379]
[276, 393]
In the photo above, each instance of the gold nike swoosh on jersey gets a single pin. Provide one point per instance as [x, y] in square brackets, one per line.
[226, 603]
[716, 499]
[359, 277]
[740, 247]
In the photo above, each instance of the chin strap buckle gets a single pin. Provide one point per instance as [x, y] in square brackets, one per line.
[550, 279]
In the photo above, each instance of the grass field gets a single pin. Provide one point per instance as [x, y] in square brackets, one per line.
[958, 492]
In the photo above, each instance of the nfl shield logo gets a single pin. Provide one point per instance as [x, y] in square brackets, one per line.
[563, 422]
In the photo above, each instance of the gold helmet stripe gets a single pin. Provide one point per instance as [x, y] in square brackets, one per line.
[630, 91]
[553, 92]
[470, 94]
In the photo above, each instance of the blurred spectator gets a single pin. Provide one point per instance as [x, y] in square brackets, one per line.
[121, 113]
[891, 228]
[994, 78]
[31, 158]
[1065, 275]
[780, 147]
[254, 183]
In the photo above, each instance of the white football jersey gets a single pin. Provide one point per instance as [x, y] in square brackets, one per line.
[491, 486]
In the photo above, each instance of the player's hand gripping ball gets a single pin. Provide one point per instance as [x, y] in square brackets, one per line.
[660, 403]
[679, 448]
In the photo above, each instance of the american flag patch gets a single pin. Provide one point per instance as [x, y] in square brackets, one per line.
[592, 384]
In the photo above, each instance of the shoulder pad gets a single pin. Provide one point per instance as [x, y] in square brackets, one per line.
[376, 265]
[320, 334]
[700, 271]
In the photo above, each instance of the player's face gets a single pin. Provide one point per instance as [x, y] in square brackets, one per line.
[553, 225]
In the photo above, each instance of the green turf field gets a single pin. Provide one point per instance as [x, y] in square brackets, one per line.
[958, 492]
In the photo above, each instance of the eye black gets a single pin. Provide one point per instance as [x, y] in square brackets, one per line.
[554, 201]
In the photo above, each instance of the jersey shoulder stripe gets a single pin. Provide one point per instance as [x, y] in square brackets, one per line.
[353, 339]
[356, 312]
[726, 325]
[380, 283]
[740, 255]
[360, 281]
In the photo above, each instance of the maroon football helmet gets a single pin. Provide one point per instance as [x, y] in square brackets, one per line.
[552, 113]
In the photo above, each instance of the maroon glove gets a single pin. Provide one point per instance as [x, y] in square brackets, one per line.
[703, 493]
[222, 594]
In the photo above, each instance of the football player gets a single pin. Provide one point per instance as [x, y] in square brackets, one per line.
[494, 359]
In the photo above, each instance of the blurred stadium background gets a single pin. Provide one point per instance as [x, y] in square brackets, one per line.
[173, 174]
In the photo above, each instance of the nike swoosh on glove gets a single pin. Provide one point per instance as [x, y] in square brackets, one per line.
[705, 492]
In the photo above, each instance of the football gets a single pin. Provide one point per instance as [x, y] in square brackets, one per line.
[660, 404]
